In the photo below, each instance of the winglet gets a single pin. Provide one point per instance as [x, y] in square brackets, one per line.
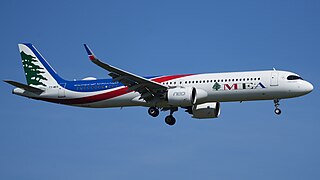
[90, 53]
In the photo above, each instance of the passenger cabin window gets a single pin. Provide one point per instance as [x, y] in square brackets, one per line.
[293, 77]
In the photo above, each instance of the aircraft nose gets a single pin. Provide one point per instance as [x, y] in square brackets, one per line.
[308, 87]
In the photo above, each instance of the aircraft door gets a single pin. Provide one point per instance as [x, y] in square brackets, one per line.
[274, 78]
[61, 91]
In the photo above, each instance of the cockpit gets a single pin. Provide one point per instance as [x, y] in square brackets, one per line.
[294, 77]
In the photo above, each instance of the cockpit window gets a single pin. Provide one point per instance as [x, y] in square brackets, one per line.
[294, 77]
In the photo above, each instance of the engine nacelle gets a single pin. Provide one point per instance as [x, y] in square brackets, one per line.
[181, 96]
[186, 96]
[206, 110]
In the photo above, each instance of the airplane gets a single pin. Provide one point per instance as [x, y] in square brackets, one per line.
[199, 94]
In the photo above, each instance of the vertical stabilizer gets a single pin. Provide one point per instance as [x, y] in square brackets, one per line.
[38, 72]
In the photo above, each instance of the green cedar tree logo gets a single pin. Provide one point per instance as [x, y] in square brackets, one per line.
[216, 86]
[33, 71]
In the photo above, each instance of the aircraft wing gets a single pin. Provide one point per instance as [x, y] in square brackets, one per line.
[147, 88]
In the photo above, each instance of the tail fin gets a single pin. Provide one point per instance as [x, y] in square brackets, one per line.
[38, 72]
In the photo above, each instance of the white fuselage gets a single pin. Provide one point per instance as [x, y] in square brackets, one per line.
[220, 87]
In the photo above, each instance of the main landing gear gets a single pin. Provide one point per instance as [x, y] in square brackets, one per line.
[276, 105]
[170, 120]
[153, 111]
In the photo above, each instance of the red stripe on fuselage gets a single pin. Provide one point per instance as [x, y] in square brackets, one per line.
[168, 78]
[107, 95]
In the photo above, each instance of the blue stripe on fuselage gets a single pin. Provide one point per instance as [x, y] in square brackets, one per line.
[93, 85]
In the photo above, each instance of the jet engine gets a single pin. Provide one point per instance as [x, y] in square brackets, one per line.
[181, 96]
[185, 96]
[205, 110]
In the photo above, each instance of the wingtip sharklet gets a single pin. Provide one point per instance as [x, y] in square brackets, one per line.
[90, 53]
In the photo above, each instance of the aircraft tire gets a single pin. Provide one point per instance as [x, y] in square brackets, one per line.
[170, 120]
[277, 111]
[154, 112]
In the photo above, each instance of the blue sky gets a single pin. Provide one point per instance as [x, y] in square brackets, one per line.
[39, 140]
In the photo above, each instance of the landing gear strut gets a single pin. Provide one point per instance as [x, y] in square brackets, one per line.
[153, 111]
[276, 105]
[170, 120]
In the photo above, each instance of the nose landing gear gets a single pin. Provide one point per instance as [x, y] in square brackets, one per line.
[276, 105]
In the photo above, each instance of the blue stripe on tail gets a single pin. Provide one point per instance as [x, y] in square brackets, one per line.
[45, 64]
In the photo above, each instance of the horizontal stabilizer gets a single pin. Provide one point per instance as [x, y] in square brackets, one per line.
[25, 87]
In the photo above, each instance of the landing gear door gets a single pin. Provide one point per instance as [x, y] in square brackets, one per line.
[61, 91]
[274, 78]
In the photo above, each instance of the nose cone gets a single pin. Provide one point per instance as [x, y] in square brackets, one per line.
[308, 87]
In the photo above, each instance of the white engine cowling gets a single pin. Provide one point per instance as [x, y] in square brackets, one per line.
[181, 96]
[206, 110]
[186, 96]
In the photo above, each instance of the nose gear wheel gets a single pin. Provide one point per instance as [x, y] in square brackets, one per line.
[276, 105]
